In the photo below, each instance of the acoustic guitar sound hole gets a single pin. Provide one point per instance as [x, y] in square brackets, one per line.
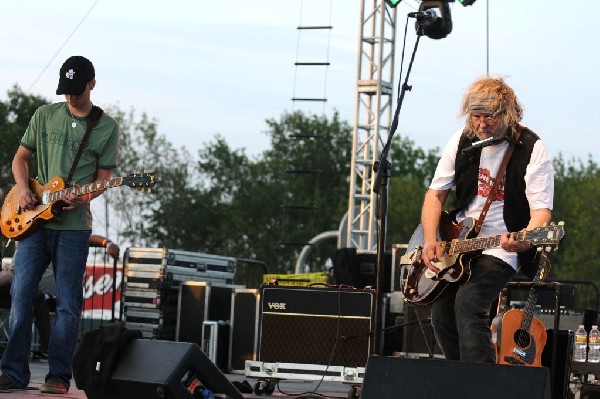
[522, 338]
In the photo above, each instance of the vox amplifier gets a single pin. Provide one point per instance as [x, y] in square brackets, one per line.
[327, 326]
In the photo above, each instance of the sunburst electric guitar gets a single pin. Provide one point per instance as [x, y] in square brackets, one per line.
[17, 223]
[422, 286]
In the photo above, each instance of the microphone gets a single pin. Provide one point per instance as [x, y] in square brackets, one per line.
[485, 142]
[427, 14]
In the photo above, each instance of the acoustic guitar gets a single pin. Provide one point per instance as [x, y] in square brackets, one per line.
[422, 286]
[519, 336]
[17, 223]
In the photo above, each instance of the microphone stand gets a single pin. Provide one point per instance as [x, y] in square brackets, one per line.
[382, 169]
[346, 338]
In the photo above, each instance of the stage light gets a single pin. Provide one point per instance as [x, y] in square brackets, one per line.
[440, 25]
[466, 2]
[393, 3]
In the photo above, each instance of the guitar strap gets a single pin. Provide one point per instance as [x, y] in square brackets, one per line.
[499, 176]
[92, 120]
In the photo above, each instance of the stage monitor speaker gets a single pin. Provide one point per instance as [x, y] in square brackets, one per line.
[305, 325]
[392, 377]
[154, 369]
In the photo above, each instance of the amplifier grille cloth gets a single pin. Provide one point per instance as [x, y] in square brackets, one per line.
[311, 339]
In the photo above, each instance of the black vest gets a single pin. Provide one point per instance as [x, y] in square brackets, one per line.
[516, 208]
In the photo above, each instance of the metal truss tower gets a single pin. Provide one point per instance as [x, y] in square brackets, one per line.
[372, 120]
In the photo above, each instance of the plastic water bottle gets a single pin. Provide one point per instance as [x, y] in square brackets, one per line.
[580, 350]
[594, 342]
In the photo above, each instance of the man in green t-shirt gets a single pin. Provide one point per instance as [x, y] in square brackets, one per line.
[53, 137]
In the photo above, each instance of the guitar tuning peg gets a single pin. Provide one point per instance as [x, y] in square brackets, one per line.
[561, 223]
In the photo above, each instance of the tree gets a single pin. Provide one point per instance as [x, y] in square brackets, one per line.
[412, 171]
[248, 195]
[15, 114]
[141, 148]
[577, 189]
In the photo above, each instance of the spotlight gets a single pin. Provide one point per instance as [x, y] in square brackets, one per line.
[440, 25]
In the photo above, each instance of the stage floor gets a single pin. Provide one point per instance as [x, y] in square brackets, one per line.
[324, 390]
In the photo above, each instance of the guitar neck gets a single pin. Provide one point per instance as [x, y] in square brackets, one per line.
[86, 188]
[533, 294]
[474, 244]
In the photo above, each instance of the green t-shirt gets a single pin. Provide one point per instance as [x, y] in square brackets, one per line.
[54, 142]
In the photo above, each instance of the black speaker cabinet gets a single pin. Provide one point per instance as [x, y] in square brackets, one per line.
[313, 325]
[392, 378]
[154, 369]
[243, 339]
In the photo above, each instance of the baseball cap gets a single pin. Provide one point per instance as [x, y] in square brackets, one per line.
[76, 72]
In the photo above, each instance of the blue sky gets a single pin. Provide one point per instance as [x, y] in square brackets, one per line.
[203, 68]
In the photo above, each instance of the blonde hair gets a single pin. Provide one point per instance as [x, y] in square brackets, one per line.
[493, 96]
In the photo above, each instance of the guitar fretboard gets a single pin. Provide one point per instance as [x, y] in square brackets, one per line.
[85, 189]
[473, 244]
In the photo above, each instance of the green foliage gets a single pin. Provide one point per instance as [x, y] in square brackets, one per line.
[577, 189]
[251, 196]
[412, 170]
[145, 220]
[15, 113]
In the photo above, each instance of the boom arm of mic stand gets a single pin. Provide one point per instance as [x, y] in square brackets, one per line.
[380, 187]
[408, 323]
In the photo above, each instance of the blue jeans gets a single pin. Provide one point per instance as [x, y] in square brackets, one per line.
[461, 315]
[67, 251]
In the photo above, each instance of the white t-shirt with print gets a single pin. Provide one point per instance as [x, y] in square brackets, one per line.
[539, 187]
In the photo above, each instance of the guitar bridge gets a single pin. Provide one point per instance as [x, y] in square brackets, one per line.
[512, 360]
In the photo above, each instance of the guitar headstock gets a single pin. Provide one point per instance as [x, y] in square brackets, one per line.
[549, 237]
[141, 181]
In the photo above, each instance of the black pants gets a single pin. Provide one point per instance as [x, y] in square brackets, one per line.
[461, 315]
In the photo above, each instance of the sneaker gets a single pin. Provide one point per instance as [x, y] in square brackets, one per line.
[7, 384]
[54, 385]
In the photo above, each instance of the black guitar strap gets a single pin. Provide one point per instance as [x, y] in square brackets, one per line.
[92, 120]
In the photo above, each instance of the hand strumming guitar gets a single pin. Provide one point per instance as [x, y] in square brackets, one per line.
[27, 199]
